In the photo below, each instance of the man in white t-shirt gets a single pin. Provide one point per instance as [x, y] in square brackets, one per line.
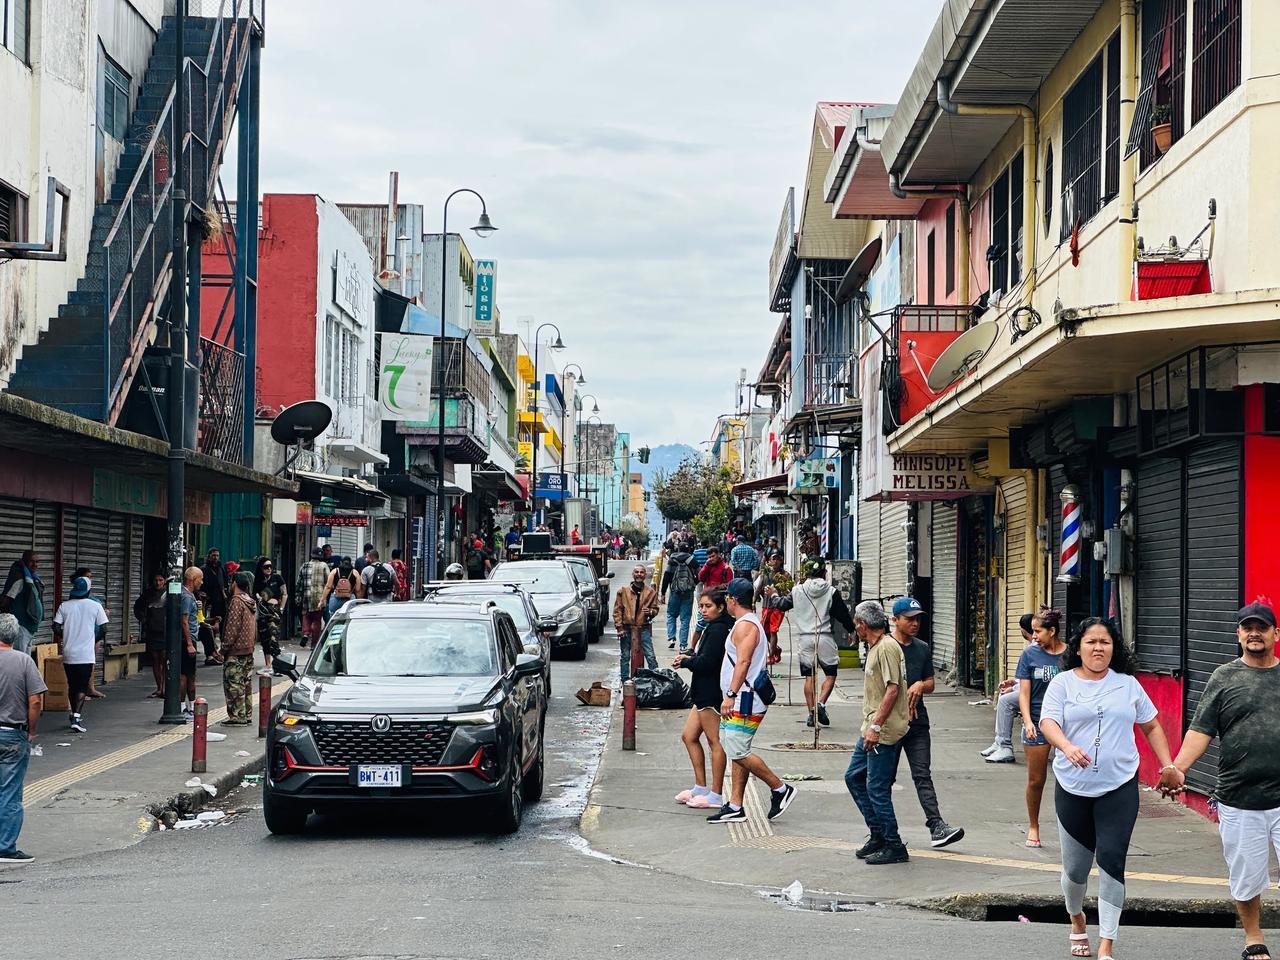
[380, 579]
[75, 626]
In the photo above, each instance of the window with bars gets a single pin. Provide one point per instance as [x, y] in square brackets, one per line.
[1005, 255]
[1112, 155]
[13, 215]
[1215, 54]
[1082, 150]
[1162, 91]
[114, 102]
[15, 28]
[949, 248]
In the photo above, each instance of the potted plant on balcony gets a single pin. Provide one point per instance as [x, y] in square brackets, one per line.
[1161, 127]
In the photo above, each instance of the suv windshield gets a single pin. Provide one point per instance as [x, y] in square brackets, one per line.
[535, 577]
[410, 647]
[507, 602]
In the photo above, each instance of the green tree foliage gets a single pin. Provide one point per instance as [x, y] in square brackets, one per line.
[635, 531]
[696, 493]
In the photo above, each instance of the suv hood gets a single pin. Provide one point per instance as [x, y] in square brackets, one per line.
[549, 604]
[389, 694]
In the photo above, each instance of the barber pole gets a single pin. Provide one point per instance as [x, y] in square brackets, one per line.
[1072, 517]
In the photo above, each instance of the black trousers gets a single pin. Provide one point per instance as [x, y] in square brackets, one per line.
[918, 749]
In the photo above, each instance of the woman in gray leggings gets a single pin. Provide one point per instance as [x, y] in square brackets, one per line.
[1088, 714]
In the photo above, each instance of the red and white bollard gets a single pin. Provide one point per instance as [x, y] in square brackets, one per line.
[637, 654]
[629, 715]
[264, 702]
[200, 736]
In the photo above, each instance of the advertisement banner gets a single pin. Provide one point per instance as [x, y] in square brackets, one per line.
[404, 383]
[485, 324]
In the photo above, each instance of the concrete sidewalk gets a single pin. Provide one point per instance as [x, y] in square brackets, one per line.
[1175, 854]
[105, 789]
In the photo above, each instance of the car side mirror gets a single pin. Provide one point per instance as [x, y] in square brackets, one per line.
[528, 665]
[547, 625]
[285, 664]
[610, 575]
[586, 591]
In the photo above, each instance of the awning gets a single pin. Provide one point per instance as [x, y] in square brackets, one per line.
[348, 493]
[778, 482]
[405, 484]
[498, 482]
[48, 432]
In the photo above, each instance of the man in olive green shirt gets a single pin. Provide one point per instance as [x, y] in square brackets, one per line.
[885, 721]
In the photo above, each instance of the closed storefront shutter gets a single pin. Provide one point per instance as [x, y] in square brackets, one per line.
[945, 526]
[91, 550]
[346, 541]
[869, 547]
[113, 583]
[1014, 492]
[46, 545]
[893, 548]
[1213, 578]
[1159, 547]
[17, 533]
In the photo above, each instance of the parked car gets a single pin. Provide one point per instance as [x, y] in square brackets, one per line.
[409, 703]
[557, 595]
[585, 574]
[535, 632]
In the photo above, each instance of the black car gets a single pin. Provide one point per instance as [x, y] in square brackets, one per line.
[410, 702]
[557, 595]
[535, 632]
[584, 572]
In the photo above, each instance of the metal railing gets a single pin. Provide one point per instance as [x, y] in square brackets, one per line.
[830, 379]
[932, 318]
[221, 424]
[139, 245]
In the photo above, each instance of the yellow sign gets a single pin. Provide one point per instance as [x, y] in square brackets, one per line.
[525, 449]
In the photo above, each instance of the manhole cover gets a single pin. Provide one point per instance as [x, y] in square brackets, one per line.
[809, 745]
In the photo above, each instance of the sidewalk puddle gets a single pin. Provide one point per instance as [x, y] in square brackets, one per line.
[797, 898]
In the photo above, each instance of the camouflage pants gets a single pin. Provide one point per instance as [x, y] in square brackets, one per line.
[237, 683]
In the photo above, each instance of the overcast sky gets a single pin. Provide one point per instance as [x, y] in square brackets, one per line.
[635, 158]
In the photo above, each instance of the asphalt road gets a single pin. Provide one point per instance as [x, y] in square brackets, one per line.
[433, 886]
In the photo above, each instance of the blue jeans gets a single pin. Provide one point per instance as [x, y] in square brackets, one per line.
[679, 607]
[624, 650]
[14, 752]
[870, 782]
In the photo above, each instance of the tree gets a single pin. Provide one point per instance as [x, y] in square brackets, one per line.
[710, 525]
[686, 492]
[635, 531]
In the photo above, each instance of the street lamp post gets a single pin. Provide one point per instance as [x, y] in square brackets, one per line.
[577, 434]
[578, 379]
[483, 228]
[537, 387]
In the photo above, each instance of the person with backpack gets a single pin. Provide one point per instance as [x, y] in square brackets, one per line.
[679, 580]
[343, 584]
[380, 580]
[149, 612]
[311, 582]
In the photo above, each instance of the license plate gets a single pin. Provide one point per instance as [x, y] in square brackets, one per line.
[378, 776]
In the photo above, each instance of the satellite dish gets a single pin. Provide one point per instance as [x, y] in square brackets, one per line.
[301, 422]
[962, 356]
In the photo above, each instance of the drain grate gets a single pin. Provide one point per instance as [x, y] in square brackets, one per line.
[1138, 911]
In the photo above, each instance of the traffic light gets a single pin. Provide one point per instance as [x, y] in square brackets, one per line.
[644, 454]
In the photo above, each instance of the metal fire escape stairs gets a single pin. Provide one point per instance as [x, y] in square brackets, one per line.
[90, 361]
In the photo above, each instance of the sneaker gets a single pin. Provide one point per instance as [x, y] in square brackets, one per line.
[942, 835]
[671, 645]
[890, 853]
[873, 844]
[188, 716]
[822, 715]
[809, 721]
[77, 724]
[1002, 755]
[727, 814]
[15, 857]
[995, 745]
[778, 802]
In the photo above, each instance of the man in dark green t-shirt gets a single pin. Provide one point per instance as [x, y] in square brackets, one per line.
[1241, 707]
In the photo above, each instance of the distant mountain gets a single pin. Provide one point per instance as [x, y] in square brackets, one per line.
[666, 458]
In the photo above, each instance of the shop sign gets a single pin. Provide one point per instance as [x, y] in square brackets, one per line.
[551, 486]
[324, 530]
[404, 380]
[525, 449]
[121, 493]
[485, 324]
[325, 507]
[352, 286]
[346, 522]
[813, 476]
[926, 476]
[304, 513]
[778, 506]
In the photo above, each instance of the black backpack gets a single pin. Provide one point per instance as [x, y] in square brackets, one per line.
[383, 582]
[682, 579]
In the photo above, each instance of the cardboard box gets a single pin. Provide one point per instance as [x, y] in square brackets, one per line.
[598, 696]
[55, 678]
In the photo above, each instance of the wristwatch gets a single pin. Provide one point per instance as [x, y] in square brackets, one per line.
[875, 727]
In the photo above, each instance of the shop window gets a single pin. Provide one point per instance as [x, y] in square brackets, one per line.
[1215, 54]
[113, 108]
[949, 248]
[1005, 254]
[15, 28]
[13, 215]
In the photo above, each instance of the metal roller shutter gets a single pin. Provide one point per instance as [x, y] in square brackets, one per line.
[138, 574]
[869, 546]
[1213, 578]
[945, 633]
[17, 533]
[91, 550]
[1014, 491]
[46, 545]
[112, 583]
[893, 548]
[346, 541]
[1159, 547]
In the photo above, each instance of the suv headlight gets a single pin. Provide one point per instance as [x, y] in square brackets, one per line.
[569, 614]
[475, 718]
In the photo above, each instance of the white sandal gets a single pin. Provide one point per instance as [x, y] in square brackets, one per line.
[1080, 945]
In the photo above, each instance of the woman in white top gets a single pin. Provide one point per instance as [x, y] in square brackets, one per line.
[1088, 714]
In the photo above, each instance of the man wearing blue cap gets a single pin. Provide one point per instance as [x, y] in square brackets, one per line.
[916, 744]
[75, 626]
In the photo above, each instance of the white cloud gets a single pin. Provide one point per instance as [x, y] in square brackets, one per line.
[634, 156]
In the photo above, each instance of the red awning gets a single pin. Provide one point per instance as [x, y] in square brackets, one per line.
[778, 482]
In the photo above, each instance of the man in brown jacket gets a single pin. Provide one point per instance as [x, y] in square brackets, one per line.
[634, 609]
[239, 637]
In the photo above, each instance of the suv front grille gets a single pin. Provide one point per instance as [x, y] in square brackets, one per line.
[420, 743]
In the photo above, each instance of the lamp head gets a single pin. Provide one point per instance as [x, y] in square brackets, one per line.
[558, 345]
[484, 227]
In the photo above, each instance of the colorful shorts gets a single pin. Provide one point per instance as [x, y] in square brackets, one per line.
[737, 730]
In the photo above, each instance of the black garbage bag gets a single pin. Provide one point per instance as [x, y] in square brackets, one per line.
[661, 688]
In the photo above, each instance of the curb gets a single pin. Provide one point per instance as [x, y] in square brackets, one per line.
[192, 800]
[1166, 911]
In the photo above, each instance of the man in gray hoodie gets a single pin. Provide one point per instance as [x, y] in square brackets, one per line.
[814, 604]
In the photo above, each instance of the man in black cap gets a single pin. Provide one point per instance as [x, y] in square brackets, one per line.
[1241, 707]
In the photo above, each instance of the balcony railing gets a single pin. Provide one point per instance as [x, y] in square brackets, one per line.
[830, 379]
[221, 426]
[932, 318]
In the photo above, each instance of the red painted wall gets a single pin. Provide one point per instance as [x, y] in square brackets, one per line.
[288, 261]
[1261, 520]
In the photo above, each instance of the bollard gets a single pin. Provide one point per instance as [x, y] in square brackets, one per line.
[264, 702]
[199, 737]
[629, 715]
[637, 654]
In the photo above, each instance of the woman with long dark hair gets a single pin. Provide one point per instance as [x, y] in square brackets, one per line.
[704, 719]
[1095, 702]
[1040, 663]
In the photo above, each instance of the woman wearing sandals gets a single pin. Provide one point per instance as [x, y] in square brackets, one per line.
[1040, 663]
[704, 719]
[1089, 713]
